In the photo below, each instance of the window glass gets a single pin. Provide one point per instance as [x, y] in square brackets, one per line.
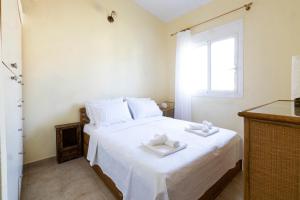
[223, 69]
[219, 61]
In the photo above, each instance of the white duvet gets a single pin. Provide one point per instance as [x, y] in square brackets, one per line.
[142, 175]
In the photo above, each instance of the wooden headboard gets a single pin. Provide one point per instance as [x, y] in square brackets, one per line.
[84, 119]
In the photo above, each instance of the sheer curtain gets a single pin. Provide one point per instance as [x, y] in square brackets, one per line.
[183, 74]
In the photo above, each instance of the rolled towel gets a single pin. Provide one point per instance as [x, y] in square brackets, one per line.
[208, 124]
[205, 129]
[202, 127]
[172, 143]
[195, 126]
[158, 140]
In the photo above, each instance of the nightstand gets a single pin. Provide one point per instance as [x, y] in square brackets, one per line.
[68, 142]
[168, 112]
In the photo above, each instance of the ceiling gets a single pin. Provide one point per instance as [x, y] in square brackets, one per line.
[168, 10]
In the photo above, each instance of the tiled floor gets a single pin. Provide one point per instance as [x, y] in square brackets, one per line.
[75, 180]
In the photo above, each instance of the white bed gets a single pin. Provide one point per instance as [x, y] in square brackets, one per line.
[140, 174]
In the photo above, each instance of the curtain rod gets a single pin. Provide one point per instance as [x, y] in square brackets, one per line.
[246, 6]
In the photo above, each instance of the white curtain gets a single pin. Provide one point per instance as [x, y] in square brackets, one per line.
[184, 62]
[295, 77]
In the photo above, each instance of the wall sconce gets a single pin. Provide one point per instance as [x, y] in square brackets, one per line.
[111, 17]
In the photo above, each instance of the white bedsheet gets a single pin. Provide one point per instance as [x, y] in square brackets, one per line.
[141, 175]
[89, 128]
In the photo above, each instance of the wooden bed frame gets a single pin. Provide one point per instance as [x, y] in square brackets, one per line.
[210, 194]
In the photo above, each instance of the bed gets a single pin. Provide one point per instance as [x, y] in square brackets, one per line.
[189, 176]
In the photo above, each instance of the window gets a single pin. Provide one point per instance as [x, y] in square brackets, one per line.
[218, 61]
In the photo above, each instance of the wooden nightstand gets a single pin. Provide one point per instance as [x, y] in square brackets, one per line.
[168, 112]
[68, 142]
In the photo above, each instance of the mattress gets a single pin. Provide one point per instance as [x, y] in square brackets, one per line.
[140, 174]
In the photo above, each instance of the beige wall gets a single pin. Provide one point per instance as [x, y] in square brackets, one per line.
[72, 54]
[271, 37]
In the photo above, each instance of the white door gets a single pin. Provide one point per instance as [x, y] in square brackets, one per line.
[3, 135]
[12, 136]
[11, 91]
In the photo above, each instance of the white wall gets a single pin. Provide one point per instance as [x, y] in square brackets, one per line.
[72, 54]
[271, 38]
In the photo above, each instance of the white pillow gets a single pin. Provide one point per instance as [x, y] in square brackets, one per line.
[90, 104]
[112, 113]
[138, 99]
[141, 108]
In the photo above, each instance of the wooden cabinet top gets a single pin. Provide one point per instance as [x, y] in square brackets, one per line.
[280, 111]
[70, 125]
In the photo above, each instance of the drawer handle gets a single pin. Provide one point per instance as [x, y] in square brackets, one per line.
[20, 129]
[21, 153]
[19, 105]
[23, 118]
[14, 65]
[14, 78]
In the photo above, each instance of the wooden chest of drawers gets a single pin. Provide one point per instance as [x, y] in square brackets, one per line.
[272, 152]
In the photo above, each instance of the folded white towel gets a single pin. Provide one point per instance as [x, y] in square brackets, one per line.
[212, 131]
[158, 140]
[164, 150]
[172, 143]
[163, 140]
[205, 129]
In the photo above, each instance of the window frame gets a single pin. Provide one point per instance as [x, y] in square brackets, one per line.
[230, 30]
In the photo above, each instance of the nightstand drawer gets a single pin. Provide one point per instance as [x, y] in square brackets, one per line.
[70, 154]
